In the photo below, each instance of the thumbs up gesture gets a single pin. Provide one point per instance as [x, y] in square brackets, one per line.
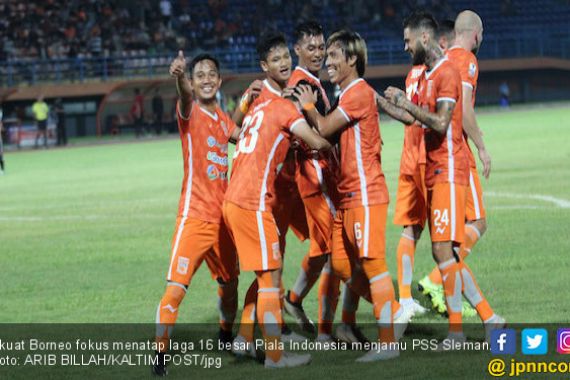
[178, 65]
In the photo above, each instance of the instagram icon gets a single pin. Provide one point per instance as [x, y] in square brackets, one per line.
[563, 341]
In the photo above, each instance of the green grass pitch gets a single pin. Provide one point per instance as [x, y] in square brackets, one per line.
[85, 237]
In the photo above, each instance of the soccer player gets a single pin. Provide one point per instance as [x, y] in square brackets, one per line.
[269, 125]
[469, 35]
[275, 61]
[358, 252]
[200, 233]
[447, 167]
[316, 183]
[410, 212]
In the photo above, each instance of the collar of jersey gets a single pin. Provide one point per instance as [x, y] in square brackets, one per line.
[428, 73]
[266, 84]
[213, 116]
[354, 82]
[308, 73]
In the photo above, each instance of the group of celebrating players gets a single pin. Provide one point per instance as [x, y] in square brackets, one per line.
[303, 164]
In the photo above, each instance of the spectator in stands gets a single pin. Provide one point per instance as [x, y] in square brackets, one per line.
[60, 120]
[137, 113]
[40, 110]
[505, 93]
[166, 12]
[157, 111]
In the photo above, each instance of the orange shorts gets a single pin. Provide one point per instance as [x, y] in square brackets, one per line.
[475, 209]
[411, 199]
[255, 236]
[360, 232]
[320, 222]
[288, 214]
[195, 240]
[446, 210]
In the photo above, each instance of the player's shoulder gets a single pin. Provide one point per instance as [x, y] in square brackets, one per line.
[300, 74]
[357, 89]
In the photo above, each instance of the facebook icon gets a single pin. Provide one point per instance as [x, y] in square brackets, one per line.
[503, 342]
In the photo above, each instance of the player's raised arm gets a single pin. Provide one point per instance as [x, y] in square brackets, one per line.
[303, 131]
[438, 121]
[395, 112]
[471, 127]
[247, 98]
[326, 125]
[178, 71]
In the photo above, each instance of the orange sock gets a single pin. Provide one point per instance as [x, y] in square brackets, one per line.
[269, 315]
[472, 235]
[247, 323]
[328, 298]
[167, 314]
[227, 304]
[452, 289]
[405, 257]
[350, 302]
[383, 296]
[309, 274]
[473, 294]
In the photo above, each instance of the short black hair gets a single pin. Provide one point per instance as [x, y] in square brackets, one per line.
[421, 20]
[268, 41]
[307, 28]
[204, 57]
[446, 28]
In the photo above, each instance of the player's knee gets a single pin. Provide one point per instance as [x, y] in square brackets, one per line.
[341, 268]
[417, 231]
[442, 251]
[481, 226]
[374, 267]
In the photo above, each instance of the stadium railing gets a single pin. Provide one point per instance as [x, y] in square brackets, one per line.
[243, 60]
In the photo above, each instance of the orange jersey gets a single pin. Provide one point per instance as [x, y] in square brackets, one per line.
[466, 63]
[312, 172]
[413, 152]
[446, 155]
[361, 181]
[260, 153]
[204, 138]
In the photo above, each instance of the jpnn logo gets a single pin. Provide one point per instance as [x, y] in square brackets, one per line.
[534, 341]
[503, 342]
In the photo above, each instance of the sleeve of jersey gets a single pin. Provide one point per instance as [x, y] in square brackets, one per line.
[447, 85]
[350, 105]
[292, 116]
[469, 72]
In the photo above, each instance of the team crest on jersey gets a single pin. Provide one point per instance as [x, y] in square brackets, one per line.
[213, 172]
[182, 266]
[472, 69]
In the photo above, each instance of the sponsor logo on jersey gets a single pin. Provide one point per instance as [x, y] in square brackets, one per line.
[472, 69]
[213, 157]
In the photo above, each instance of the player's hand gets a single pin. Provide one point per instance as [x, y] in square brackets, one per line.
[178, 65]
[254, 89]
[305, 95]
[485, 158]
[394, 95]
[288, 91]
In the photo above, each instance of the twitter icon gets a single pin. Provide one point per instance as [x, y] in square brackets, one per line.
[534, 341]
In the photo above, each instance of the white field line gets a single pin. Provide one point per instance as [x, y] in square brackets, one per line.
[81, 217]
[561, 203]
